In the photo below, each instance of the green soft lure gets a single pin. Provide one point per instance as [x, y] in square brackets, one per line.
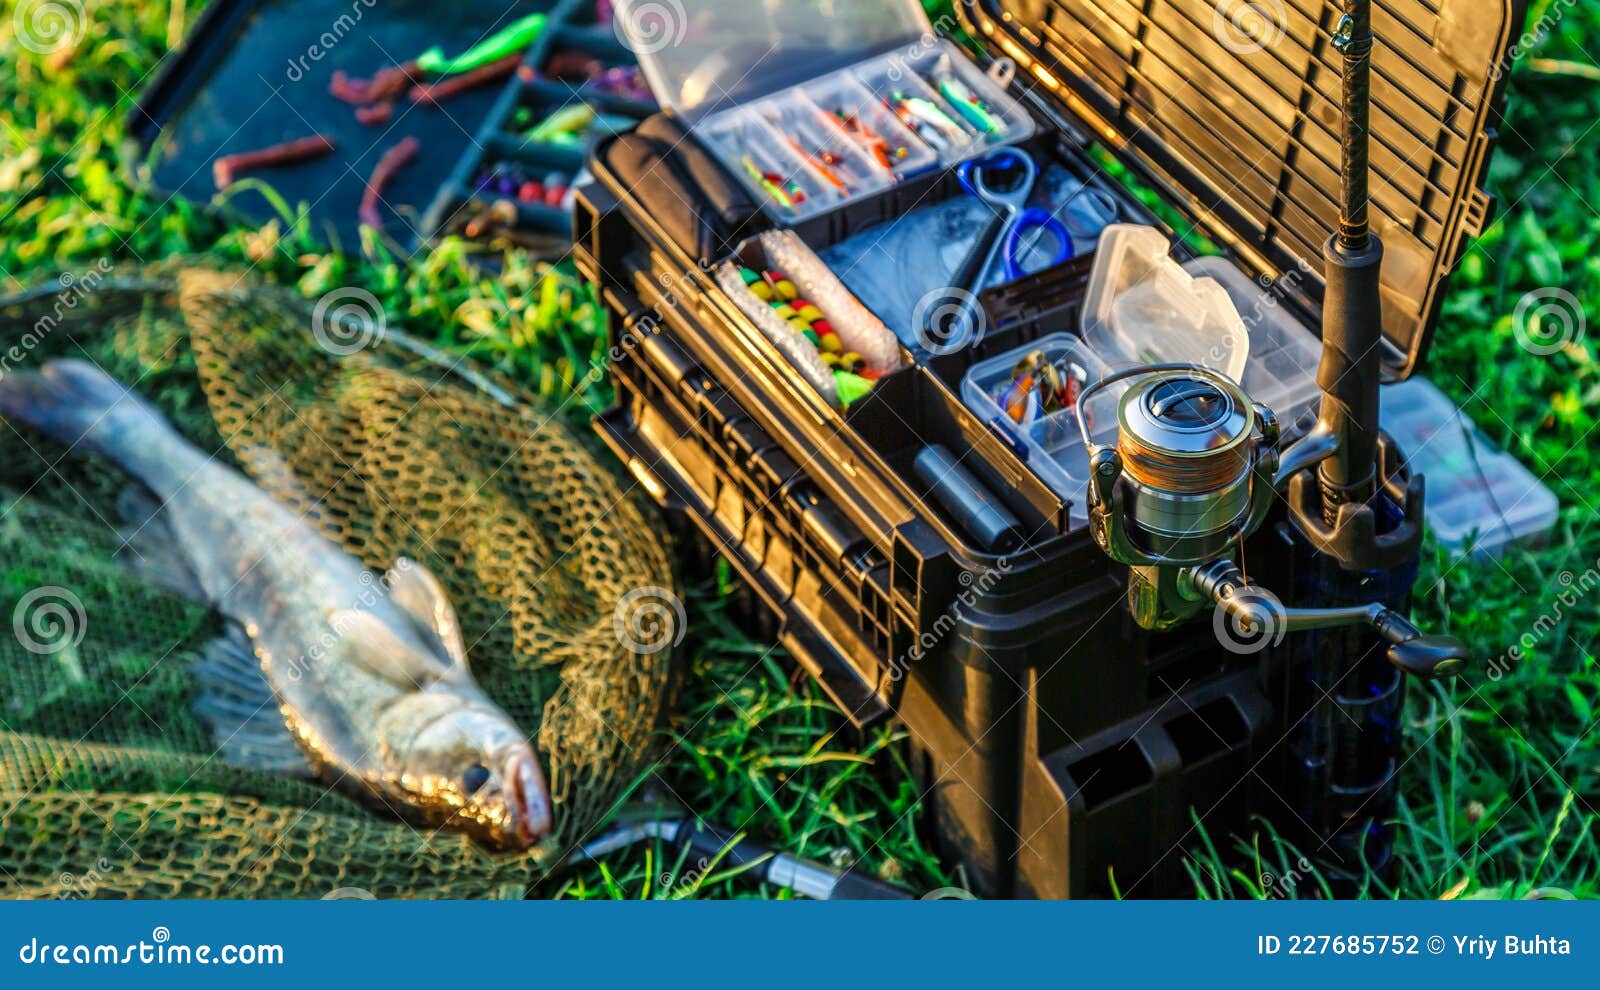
[566, 126]
[509, 40]
[852, 388]
[970, 105]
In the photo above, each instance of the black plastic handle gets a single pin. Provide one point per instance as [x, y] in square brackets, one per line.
[1430, 657]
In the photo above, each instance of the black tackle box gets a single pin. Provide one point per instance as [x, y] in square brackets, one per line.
[1066, 751]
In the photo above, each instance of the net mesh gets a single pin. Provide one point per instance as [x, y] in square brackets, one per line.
[108, 786]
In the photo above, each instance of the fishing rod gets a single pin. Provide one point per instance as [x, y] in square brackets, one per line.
[1344, 444]
[754, 860]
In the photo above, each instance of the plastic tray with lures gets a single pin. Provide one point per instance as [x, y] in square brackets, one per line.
[490, 151]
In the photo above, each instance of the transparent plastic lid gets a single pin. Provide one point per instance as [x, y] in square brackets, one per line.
[703, 54]
[1142, 305]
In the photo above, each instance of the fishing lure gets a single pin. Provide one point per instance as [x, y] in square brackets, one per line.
[787, 194]
[393, 160]
[625, 81]
[514, 39]
[858, 129]
[388, 84]
[436, 93]
[852, 378]
[970, 105]
[500, 214]
[225, 169]
[1040, 386]
[825, 162]
[925, 118]
[567, 126]
[375, 115]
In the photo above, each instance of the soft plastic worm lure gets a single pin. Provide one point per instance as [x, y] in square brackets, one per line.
[225, 169]
[436, 93]
[393, 160]
[512, 40]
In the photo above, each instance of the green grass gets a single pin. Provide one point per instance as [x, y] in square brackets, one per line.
[1503, 777]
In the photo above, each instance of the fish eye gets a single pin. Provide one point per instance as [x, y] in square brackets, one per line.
[473, 779]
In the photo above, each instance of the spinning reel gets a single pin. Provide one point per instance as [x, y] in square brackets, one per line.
[1194, 471]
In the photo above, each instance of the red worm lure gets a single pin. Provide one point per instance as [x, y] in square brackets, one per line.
[227, 168]
[438, 92]
[393, 161]
[386, 85]
[376, 115]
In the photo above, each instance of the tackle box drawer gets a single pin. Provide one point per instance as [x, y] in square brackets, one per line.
[689, 444]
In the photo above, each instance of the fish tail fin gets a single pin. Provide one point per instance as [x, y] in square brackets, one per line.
[75, 404]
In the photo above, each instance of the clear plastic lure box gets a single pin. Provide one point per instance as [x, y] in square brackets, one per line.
[814, 105]
[1480, 499]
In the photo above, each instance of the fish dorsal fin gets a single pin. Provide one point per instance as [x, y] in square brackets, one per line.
[379, 649]
[415, 589]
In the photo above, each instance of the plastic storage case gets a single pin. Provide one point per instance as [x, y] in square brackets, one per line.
[1065, 751]
[1052, 443]
[887, 112]
[1480, 499]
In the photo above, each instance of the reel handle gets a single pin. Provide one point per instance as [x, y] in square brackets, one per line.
[1430, 657]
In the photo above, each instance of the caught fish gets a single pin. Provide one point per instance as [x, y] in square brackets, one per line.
[327, 667]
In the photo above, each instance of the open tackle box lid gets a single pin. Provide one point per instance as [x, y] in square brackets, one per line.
[1232, 107]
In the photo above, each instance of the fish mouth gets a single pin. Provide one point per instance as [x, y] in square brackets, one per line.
[527, 797]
